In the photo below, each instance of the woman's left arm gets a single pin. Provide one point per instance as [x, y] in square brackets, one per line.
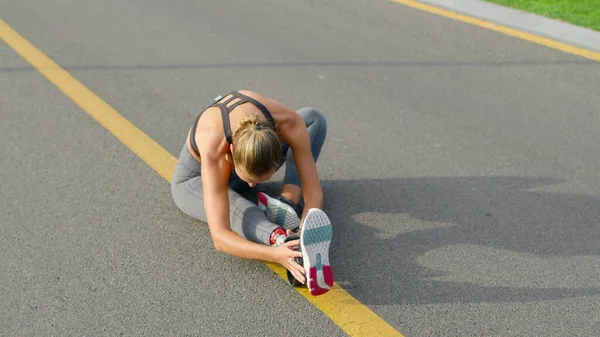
[299, 141]
[294, 133]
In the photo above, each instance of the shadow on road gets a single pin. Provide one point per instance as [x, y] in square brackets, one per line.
[383, 226]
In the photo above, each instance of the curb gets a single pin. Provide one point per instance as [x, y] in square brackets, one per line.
[528, 22]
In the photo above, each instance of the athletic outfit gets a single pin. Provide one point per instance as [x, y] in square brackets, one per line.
[246, 218]
[225, 110]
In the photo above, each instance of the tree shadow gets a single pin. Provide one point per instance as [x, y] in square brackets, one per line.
[376, 258]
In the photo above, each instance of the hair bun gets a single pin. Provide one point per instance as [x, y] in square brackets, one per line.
[257, 148]
[253, 122]
[250, 120]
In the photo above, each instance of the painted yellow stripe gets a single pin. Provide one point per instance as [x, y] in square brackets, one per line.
[136, 140]
[349, 314]
[504, 30]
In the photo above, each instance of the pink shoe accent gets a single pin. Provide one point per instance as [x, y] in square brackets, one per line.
[328, 275]
[277, 232]
[312, 280]
[319, 291]
[262, 198]
[313, 286]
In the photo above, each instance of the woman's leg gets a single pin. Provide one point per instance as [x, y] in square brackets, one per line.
[317, 131]
[245, 217]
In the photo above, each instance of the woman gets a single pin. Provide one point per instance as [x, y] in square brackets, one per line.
[238, 142]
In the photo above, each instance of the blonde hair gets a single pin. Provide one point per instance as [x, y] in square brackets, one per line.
[256, 148]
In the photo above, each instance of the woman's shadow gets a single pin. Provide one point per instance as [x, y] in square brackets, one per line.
[414, 240]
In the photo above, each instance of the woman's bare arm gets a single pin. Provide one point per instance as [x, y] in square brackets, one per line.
[215, 174]
[299, 142]
[294, 133]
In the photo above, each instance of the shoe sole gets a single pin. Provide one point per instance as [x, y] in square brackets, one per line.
[278, 212]
[314, 243]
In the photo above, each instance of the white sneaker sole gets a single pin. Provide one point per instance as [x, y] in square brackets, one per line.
[315, 239]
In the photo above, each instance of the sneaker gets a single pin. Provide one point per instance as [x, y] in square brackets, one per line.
[278, 212]
[296, 207]
[278, 237]
[291, 279]
[315, 237]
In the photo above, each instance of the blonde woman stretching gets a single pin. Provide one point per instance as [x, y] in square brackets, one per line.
[240, 141]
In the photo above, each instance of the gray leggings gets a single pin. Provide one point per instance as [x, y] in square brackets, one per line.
[245, 217]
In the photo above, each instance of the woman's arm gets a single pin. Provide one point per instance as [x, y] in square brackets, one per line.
[216, 201]
[294, 133]
[215, 173]
[299, 142]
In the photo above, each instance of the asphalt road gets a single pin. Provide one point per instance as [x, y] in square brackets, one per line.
[461, 171]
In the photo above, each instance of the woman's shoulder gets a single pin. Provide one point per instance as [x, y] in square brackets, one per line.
[276, 108]
[256, 95]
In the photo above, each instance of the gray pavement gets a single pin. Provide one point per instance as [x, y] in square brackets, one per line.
[460, 171]
[91, 244]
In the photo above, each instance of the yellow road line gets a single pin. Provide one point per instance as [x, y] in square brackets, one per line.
[136, 140]
[344, 310]
[504, 30]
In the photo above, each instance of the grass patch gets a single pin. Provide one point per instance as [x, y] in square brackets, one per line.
[584, 13]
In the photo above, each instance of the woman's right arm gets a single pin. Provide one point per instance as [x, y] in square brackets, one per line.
[215, 176]
[216, 204]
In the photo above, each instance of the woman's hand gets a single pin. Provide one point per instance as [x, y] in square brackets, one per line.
[297, 233]
[285, 254]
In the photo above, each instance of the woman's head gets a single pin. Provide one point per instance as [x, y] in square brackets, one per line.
[256, 150]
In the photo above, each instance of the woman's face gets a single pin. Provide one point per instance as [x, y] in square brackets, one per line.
[243, 175]
[252, 181]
